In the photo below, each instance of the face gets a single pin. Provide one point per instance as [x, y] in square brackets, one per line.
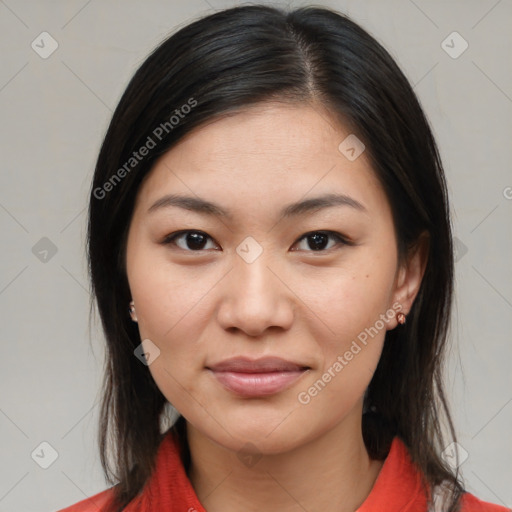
[315, 285]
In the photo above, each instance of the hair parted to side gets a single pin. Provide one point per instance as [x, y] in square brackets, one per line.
[222, 63]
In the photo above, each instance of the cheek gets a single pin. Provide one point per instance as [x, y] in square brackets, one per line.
[352, 309]
[351, 306]
[168, 305]
[169, 299]
[349, 300]
[171, 315]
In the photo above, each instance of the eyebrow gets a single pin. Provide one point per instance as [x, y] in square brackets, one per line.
[205, 207]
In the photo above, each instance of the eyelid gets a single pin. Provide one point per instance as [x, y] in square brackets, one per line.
[169, 239]
[341, 239]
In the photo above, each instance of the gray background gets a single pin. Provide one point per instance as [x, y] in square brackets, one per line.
[54, 112]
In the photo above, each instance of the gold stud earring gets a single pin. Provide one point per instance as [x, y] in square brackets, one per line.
[400, 318]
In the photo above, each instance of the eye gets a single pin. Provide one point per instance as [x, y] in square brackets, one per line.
[196, 241]
[189, 240]
[319, 240]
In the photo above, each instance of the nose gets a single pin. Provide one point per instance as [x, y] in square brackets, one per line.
[254, 298]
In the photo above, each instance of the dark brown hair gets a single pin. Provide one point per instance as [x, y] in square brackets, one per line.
[222, 63]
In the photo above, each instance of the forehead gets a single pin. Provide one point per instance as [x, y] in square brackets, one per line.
[264, 154]
[262, 131]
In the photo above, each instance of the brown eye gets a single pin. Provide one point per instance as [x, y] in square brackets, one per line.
[319, 240]
[189, 240]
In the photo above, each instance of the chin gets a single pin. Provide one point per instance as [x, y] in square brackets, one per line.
[262, 433]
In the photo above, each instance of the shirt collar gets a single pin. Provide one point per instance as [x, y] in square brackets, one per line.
[398, 486]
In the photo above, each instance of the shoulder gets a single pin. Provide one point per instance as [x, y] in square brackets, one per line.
[470, 503]
[95, 503]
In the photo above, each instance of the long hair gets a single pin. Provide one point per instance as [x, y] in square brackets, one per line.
[218, 65]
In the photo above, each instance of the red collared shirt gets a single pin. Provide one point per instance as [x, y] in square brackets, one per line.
[397, 488]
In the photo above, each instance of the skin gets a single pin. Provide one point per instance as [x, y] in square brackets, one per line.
[202, 306]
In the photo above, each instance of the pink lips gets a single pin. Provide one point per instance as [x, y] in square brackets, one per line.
[260, 377]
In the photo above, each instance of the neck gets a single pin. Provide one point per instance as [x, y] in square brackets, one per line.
[332, 473]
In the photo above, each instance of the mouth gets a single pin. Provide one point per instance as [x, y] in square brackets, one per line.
[257, 378]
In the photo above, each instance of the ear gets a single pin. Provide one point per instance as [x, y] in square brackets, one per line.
[409, 276]
[132, 312]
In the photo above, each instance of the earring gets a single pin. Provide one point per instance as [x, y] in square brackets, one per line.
[400, 318]
[131, 309]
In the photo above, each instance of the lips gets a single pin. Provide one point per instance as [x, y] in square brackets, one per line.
[260, 377]
[263, 365]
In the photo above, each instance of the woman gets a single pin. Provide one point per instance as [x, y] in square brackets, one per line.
[270, 251]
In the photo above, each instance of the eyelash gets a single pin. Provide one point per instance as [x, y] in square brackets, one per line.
[341, 240]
